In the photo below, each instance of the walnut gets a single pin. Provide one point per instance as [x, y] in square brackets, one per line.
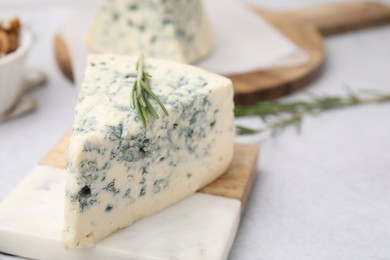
[9, 36]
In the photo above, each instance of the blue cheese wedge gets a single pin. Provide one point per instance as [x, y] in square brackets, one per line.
[176, 30]
[118, 170]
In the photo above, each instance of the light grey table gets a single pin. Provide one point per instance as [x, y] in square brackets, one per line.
[320, 194]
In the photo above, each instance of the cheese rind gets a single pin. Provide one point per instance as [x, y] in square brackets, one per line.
[176, 30]
[119, 171]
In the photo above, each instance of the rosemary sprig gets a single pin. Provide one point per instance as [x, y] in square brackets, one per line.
[141, 93]
[277, 115]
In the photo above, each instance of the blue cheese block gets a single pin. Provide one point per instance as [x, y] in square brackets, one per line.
[176, 30]
[118, 170]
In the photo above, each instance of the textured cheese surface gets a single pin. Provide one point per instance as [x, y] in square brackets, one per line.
[169, 29]
[119, 171]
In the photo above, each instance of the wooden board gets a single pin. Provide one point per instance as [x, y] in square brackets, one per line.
[236, 183]
[305, 27]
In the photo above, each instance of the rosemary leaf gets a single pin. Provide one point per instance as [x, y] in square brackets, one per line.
[277, 115]
[151, 109]
[242, 130]
[141, 93]
[142, 113]
[157, 100]
[133, 97]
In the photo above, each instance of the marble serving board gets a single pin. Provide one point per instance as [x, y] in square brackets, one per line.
[202, 226]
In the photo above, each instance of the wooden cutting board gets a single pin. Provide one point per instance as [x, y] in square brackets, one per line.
[306, 27]
[201, 226]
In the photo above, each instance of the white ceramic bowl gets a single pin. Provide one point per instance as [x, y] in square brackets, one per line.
[11, 72]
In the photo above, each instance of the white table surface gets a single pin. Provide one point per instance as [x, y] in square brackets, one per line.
[321, 194]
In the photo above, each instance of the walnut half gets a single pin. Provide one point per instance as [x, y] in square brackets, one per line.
[9, 36]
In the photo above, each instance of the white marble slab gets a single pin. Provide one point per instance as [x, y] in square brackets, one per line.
[201, 226]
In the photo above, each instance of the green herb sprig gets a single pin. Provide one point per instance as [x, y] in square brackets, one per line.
[279, 115]
[142, 92]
